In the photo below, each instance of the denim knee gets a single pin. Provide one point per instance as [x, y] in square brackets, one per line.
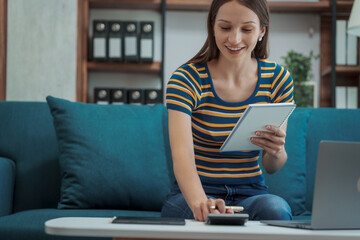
[176, 206]
[267, 207]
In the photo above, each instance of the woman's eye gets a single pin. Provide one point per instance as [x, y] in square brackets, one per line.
[225, 28]
[247, 30]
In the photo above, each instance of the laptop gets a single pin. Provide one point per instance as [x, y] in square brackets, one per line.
[336, 202]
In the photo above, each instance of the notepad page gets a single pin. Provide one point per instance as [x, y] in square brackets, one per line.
[255, 118]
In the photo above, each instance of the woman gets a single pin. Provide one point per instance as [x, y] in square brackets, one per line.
[205, 98]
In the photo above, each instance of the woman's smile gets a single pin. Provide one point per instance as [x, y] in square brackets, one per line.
[234, 50]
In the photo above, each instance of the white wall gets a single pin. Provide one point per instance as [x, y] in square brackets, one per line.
[41, 49]
[42, 46]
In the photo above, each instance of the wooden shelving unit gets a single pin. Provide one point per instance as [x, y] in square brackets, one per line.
[345, 75]
[349, 75]
[84, 66]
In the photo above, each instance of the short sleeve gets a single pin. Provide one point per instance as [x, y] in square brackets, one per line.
[181, 92]
[282, 86]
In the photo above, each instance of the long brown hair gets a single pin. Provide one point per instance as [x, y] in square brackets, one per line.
[210, 51]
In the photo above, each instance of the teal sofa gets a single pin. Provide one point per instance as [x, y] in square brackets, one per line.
[61, 159]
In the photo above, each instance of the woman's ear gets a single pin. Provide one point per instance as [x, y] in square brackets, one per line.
[262, 32]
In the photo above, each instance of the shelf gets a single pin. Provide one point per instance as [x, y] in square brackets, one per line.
[204, 5]
[126, 4]
[188, 5]
[301, 7]
[154, 67]
[342, 69]
[345, 75]
[343, 6]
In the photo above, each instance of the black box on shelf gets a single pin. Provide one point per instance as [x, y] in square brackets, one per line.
[99, 40]
[146, 43]
[153, 96]
[115, 41]
[102, 95]
[118, 96]
[136, 96]
[131, 39]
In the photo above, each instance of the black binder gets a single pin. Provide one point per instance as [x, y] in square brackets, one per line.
[136, 96]
[118, 96]
[146, 43]
[99, 40]
[102, 95]
[115, 41]
[153, 96]
[131, 38]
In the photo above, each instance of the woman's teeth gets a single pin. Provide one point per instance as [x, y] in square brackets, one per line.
[234, 49]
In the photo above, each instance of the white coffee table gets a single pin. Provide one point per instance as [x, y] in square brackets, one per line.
[253, 230]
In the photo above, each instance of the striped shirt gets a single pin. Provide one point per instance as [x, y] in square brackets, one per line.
[191, 90]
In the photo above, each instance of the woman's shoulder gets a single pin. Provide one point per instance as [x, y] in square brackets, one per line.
[268, 65]
[192, 71]
[192, 67]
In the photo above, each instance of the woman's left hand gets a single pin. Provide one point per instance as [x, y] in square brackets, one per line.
[272, 141]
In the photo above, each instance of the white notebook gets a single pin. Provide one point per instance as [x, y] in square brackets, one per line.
[255, 118]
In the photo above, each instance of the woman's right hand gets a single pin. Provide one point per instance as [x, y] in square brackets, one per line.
[202, 209]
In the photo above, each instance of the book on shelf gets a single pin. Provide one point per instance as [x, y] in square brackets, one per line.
[352, 50]
[346, 45]
[346, 97]
[340, 42]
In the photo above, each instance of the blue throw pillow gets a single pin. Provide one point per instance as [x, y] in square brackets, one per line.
[112, 156]
[289, 182]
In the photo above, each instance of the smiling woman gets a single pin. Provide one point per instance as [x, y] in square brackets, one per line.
[205, 98]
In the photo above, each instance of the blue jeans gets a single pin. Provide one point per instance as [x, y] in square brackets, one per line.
[259, 204]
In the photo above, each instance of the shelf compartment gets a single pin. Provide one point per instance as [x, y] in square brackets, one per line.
[154, 67]
[126, 4]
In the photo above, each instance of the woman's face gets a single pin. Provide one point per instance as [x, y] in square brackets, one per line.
[237, 31]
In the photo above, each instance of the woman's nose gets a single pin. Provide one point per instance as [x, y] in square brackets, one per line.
[234, 37]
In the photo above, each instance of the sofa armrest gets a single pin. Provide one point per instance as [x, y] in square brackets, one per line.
[7, 181]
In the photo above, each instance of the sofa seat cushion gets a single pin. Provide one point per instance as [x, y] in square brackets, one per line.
[112, 157]
[29, 224]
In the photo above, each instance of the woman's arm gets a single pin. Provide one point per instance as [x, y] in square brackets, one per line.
[273, 143]
[182, 149]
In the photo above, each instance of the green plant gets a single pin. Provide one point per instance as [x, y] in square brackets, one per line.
[299, 66]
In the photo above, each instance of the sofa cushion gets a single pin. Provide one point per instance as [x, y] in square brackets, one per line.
[29, 225]
[289, 182]
[112, 156]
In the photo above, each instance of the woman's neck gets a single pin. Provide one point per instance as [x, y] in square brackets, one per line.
[236, 72]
